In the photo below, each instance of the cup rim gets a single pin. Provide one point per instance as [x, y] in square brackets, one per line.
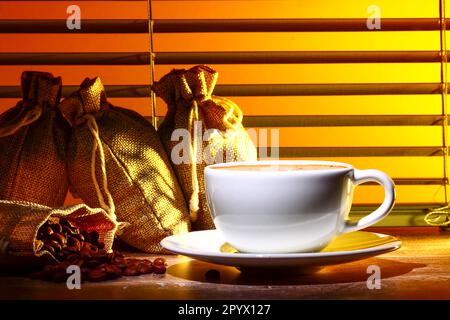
[346, 166]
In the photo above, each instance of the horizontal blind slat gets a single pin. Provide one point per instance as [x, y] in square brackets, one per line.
[292, 25]
[87, 26]
[268, 89]
[78, 58]
[385, 105]
[299, 152]
[321, 120]
[415, 181]
[328, 89]
[274, 57]
[218, 25]
[113, 91]
[345, 120]
[395, 167]
[295, 57]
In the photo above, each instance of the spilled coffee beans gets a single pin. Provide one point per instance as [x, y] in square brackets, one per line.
[72, 246]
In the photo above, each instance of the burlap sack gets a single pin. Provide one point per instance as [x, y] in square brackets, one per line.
[20, 222]
[33, 138]
[191, 106]
[117, 162]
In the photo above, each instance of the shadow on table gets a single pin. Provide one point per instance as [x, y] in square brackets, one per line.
[351, 272]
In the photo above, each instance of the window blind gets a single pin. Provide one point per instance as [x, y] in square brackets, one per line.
[334, 89]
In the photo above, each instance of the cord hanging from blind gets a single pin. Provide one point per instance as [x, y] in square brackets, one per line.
[441, 216]
[152, 63]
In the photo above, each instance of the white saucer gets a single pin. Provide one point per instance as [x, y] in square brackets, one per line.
[209, 246]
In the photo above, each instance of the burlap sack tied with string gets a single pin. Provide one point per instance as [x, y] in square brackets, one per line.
[117, 162]
[33, 138]
[191, 106]
[20, 222]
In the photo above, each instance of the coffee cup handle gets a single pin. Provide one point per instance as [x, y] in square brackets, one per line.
[362, 176]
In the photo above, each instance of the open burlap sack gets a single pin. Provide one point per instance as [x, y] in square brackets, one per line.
[20, 222]
[191, 106]
[33, 138]
[117, 162]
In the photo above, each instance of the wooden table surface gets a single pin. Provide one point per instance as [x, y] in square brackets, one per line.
[419, 270]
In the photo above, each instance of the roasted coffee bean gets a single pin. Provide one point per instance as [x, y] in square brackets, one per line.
[212, 275]
[67, 231]
[103, 266]
[120, 262]
[93, 235]
[58, 237]
[48, 248]
[102, 256]
[131, 271]
[70, 250]
[72, 246]
[72, 257]
[133, 261]
[97, 275]
[113, 271]
[79, 236]
[160, 262]
[47, 231]
[86, 236]
[74, 242]
[144, 268]
[77, 244]
[56, 227]
[67, 223]
[158, 269]
[147, 261]
[92, 264]
[90, 247]
[119, 259]
[51, 242]
[93, 249]
[55, 245]
[85, 253]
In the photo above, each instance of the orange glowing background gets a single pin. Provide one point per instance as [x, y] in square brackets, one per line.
[397, 167]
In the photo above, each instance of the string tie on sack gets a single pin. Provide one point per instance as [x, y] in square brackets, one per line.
[106, 201]
[32, 113]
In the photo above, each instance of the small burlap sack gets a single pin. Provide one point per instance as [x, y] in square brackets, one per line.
[191, 106]
[20, 222]
[117, 162]
[33, 138]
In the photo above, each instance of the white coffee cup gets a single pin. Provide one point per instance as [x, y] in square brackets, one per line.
[276, 210]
